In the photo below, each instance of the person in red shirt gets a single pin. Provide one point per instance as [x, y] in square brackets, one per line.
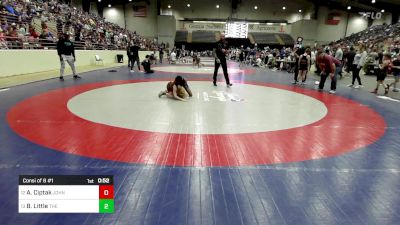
[327, 65]
[33, 32]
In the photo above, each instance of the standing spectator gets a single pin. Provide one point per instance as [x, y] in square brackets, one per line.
[220, 60]
[339, 57]
[384, 69]
[355, 69]
[328, 65]
[396, 72]
[66, 52]
[161, 54]
[349, 57]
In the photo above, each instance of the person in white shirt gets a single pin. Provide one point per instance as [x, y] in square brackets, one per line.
[173, 57]
[356, 67]
[339, 56]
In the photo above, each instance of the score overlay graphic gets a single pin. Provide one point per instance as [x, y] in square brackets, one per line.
[66, 194]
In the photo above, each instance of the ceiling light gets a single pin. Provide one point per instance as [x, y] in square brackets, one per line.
[299, 10]
[169, 6]
[99, 0]
[188, 5]
[109, 5]
[284, 7]
[217, 6]
[255, 7]
[382, 10]
[348, 7]
[373, 1]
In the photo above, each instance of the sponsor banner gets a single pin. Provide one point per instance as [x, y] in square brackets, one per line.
[253, 28]
[205, 26]
[266, 28]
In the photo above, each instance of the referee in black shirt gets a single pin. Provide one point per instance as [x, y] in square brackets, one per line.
[66, 52]
[133, 55]
[220, 59]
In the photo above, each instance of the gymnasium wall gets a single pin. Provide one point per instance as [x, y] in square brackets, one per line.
[267, 9]
[356, 24]
[386, 18]
[115, 15]
[166, 27]
[124, 17]
[77, 3]
[306, 29]
[45, 60]
[93, 8]
[146, 26]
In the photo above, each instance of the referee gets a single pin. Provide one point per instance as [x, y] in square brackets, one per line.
[220, 59]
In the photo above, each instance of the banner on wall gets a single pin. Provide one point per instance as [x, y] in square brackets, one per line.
[205, 26]
[252, 28]
[333, 18]
[267, 28]
[139, 11]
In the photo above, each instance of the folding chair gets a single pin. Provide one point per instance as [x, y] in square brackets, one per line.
[98, 60]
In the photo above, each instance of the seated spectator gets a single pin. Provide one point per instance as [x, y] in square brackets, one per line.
[272, 61]
[3, 43]
[9, 8]
[146, 65]
[153, 59]
[173, 58]
[4, 24]
[32, 32]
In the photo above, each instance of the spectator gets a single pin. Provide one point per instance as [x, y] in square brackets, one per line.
[146, 65]
[66, 52]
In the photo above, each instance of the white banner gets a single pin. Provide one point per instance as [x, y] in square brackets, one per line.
[205, 26]
[266, 28]
[253, 28]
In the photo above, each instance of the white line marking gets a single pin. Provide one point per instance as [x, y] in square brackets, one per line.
[5, 89]
[388, 98]
[205, 96]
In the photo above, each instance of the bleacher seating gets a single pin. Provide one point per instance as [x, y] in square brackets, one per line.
[374, 37]
[203, 37]
[181, 36]
[265, 38]
[287, 39]
[32, 24]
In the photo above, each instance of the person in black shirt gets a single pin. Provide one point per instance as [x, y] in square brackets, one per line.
[146, 65]
[133, 56]
[66, 52]
[298, 52]
[220, 59]
[350, 58]
[161, 54]
[129, 55]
